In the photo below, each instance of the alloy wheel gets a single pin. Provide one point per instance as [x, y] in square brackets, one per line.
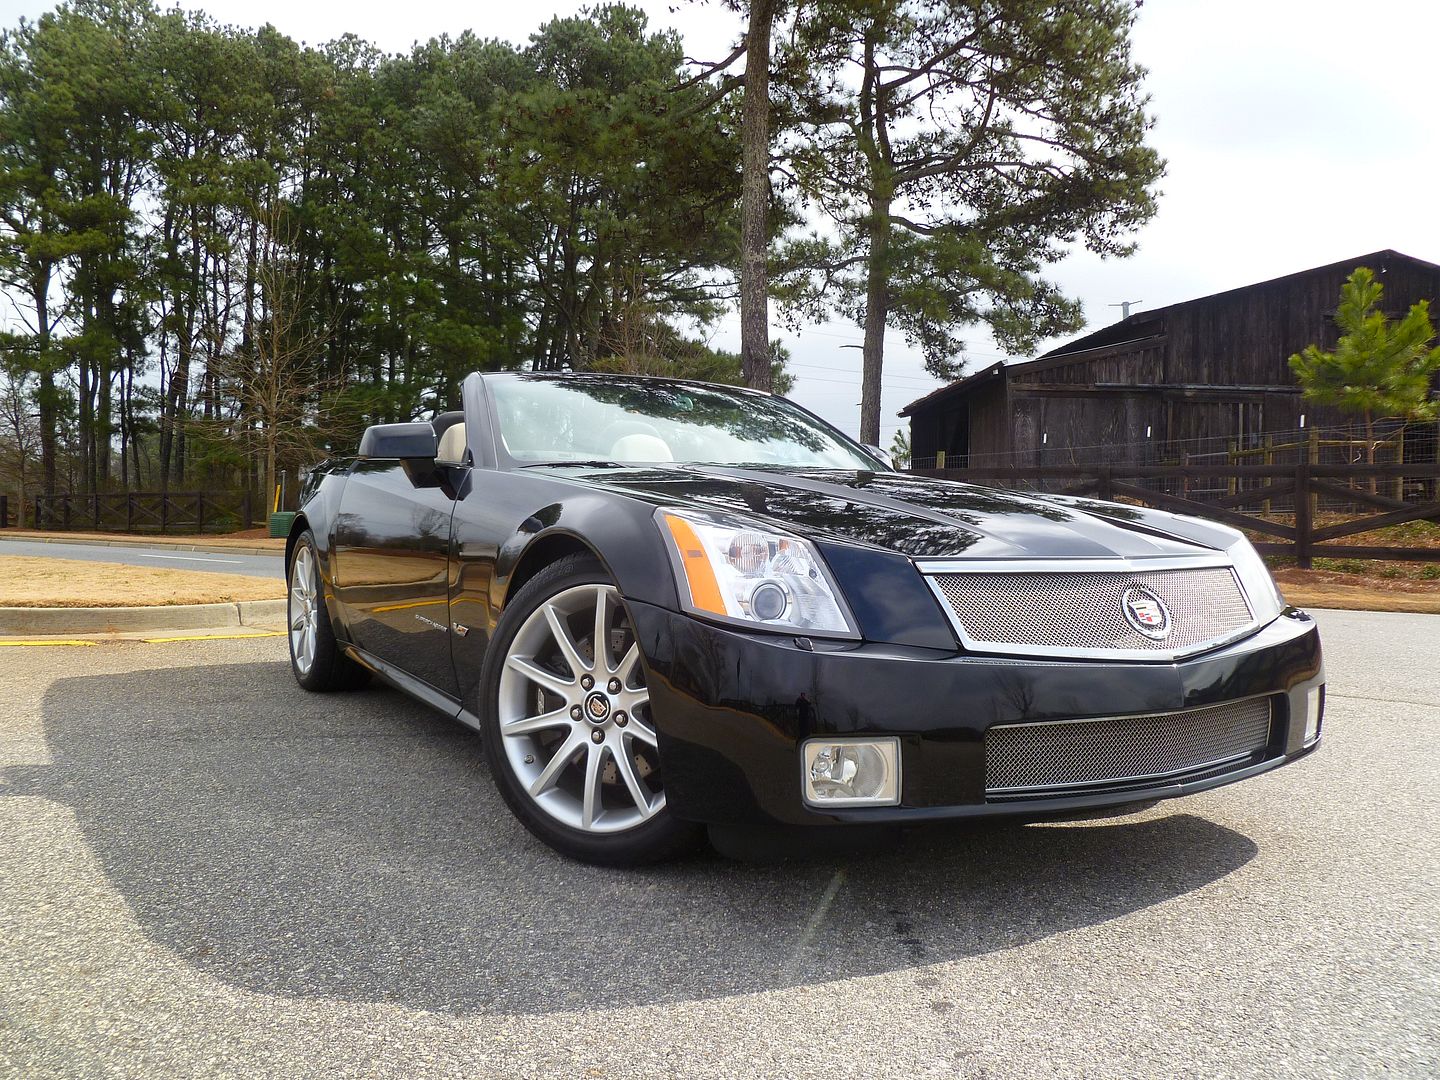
[303, 602]
[574, 714]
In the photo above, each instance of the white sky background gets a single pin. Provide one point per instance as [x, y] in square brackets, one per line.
[1297, 133]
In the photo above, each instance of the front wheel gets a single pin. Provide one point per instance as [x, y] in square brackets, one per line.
[568, 731]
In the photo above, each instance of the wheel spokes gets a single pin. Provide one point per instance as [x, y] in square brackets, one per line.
[628, 663]
[626, 768]
[551, 773]
[545, 722]
[568, 649]
[602, 631]
[641, 729]
[302, 610]
[527, 667]
[590, 803]
[558, 726]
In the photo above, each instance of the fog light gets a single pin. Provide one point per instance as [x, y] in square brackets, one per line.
[851, 772]
[1314, 709]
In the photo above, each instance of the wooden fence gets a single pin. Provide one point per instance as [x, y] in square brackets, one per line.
[1252, 495]
[137, 511]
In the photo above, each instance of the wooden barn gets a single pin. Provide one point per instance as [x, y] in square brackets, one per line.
[1193, 377]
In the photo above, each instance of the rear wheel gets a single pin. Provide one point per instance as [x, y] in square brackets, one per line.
[568, 731]
[315, 656]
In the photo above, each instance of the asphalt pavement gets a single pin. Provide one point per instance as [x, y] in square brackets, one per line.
[159, 555]
[206, 872]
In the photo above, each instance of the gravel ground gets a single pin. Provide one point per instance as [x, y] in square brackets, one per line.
[206, 872]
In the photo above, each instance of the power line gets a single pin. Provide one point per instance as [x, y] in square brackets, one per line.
[911, 381]
[890, 339]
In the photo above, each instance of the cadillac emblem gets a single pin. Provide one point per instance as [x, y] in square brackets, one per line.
[1146, 612]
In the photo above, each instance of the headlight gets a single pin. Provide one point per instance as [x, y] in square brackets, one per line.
[752, 574]
[1255, 577]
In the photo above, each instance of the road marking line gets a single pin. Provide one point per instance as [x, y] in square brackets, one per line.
[184, 558]
[213, 637]
[33, 644]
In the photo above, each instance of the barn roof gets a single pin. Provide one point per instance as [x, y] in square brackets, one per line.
[1145, 324]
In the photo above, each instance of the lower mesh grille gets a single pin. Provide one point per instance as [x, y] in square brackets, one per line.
[1079, 757]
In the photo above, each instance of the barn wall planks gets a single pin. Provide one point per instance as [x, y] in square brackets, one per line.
[1213, 369]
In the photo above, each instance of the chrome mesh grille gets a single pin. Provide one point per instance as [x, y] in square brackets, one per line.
[1079, 756]
[1081, 612]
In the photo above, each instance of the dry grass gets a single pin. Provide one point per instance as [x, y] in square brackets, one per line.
[250, 538]
[41, 582]
[1365, 586]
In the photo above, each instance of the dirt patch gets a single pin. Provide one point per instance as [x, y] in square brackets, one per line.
[41, 582]
[1380, 586]
[249, 538]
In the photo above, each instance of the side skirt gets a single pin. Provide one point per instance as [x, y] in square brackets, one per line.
[406, 683]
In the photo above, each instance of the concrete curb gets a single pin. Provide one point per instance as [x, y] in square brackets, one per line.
[16, 621]
[214, 549]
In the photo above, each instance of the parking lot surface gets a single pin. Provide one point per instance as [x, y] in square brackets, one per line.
[163, 557]
[205, 871]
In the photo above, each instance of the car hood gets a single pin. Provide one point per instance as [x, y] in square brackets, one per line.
[918, 516]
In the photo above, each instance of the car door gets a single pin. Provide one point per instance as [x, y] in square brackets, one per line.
[392, 564]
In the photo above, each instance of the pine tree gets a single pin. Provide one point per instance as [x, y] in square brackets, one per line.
[1379, 368]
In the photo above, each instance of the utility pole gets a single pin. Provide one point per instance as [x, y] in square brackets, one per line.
[1124, 307]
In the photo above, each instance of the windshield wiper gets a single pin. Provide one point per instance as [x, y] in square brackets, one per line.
[589, 463]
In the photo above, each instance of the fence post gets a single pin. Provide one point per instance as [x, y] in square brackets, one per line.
[1232, 456]
[5, 511]
[164, 512]
[245, 508]
[939, 459]
[199, 511]
[1269, 459]
[1304, 513]
[129, 511]
[1312, 455]
[1400, 460]
[67, 511]
[1103, 491]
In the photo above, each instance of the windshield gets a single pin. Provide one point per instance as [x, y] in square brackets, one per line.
[635, 421]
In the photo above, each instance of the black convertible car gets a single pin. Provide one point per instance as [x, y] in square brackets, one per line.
[666, 605]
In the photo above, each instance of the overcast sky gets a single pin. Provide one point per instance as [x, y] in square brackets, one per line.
[1298, 133]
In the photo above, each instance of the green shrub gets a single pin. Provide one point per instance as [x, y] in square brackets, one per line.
[1343, 566]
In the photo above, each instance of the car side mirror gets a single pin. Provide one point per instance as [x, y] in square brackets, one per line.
[881, 453]
[414, 445]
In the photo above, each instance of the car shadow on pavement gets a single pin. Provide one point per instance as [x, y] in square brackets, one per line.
[353, 847]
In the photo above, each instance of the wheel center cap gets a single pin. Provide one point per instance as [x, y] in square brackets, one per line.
[597, 708]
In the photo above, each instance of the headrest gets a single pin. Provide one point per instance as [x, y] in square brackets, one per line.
[641, 447]
[452, 444]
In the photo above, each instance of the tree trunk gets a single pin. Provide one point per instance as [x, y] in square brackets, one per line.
[104, 379]
[877, 303]
[46, 396]
[755, 200]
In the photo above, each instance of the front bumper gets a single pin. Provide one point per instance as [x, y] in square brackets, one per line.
[732, 708]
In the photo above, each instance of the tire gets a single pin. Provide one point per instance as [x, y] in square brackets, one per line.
[316, 658]
[568, 735]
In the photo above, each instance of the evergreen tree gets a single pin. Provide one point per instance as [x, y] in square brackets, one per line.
[1379, 367]
[958, 147]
